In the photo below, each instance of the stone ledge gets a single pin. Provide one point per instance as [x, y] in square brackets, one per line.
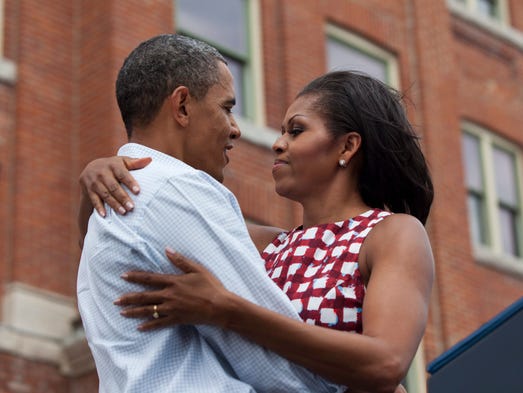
[8, 71]
[43, 326]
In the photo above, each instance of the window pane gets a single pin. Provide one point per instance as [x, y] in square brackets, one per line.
[341, 56]
[472, 162]
[488, 8]
[476, 220]
[509, 233]
[237, 73]
[221, 21]
[505, 173]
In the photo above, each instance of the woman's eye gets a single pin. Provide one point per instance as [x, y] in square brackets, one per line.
[295, 131]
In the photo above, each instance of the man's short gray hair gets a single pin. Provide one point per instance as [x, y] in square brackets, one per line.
[155, 68]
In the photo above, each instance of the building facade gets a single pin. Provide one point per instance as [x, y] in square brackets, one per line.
[459, 63]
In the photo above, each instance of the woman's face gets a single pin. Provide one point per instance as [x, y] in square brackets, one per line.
[307, 154]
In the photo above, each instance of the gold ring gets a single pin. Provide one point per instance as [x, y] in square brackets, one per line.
[155, 313]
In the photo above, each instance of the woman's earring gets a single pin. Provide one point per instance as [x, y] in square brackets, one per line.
[342, 163]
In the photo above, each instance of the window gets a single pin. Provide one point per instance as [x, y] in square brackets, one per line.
[349, 51]
[7, 67]
[231, 27]
[1, 28]
[495, 10]
[493, 178]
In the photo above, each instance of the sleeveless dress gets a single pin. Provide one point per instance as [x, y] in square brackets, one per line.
[318, 270]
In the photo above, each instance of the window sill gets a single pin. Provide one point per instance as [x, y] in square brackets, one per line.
[504, 263]
[7, 71]
[256, 134]
[498, 29]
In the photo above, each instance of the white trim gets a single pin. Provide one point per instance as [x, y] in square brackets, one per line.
[493, 255]
[39, 325]
[370, 48]
[2, 26]
[257, 134]
[7, 71]
[416, 377]
[256, 57]
[504, 263]
[496, 27]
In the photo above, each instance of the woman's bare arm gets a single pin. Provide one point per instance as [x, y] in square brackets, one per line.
[262, 235]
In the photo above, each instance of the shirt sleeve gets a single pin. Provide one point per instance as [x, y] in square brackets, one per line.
[201, 219]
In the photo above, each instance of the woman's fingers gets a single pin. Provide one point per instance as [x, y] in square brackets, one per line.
[155, 318]
[135, 163]
[158, 323]
[183, 263]
[103, 181]
[136, 299]
[149, 278]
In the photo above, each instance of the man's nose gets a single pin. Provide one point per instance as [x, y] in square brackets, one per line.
[235, 130]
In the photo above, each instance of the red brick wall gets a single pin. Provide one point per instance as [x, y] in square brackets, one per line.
[61, 113]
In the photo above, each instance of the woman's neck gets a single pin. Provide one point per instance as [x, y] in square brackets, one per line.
[332, 208]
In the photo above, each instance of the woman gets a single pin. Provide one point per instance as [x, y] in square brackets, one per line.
[349, 156]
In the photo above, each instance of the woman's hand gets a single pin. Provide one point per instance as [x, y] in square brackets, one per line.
[195, 297]
[101, 181]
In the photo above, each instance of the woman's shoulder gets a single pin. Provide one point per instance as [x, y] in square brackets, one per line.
[263, 235]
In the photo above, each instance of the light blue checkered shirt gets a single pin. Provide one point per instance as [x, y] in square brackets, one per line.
[189, 211]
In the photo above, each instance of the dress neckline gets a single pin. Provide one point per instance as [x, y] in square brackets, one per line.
[365, 214]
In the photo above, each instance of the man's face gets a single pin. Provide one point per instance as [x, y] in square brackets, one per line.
[213, 127]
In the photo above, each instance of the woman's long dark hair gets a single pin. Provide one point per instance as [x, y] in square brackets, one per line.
[394, 174]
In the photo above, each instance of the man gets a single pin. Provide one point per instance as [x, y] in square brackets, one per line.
[175, 95]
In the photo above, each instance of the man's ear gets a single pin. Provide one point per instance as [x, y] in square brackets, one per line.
[179, 102]
[352, 144]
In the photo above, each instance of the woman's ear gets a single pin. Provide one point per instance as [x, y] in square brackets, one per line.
[179, 101]
[352, 144]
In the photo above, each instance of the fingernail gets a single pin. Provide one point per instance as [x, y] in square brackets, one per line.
[125, 276]
[136, 189]
[101, 213]
[121, 210]
[117, 302]
[129, 205]
[169, 250]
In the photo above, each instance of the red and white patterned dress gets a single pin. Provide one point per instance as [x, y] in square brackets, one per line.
[318, 270]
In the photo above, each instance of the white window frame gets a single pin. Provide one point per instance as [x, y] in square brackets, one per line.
[7, 67]
[253, 71]
[365, 46]
[472, 7]
[498, 28]
[493, 254]
[416, 380]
